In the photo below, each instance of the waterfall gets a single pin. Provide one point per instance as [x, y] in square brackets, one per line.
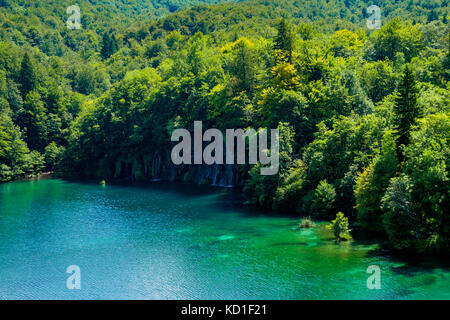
[156, 168]
[228, 176]
[215, 175]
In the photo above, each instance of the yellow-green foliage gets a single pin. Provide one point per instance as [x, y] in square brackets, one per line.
[339, 227]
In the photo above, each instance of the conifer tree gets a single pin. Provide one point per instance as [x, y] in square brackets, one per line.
[406, 109]
[284, 41]
[27, 76]
[114, 45]
[109, 45]
[106, 46]
[243, 66]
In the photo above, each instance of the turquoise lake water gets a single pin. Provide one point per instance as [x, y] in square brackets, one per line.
[183, 242]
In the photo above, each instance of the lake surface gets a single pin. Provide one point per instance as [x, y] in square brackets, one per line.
[182, 242]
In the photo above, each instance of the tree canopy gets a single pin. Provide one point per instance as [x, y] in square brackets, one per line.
[363, 114]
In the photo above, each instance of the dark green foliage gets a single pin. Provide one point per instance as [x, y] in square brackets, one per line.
[110, 45]
[284, 41]
[406, 109]
[427, 166]
[27, 76]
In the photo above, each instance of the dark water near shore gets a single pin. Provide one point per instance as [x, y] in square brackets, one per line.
[182, 242]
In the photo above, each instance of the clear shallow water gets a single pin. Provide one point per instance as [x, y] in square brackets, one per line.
[181, 242]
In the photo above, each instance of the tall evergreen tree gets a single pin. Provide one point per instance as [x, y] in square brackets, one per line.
[114, 44]
[27, 76]
[106, 46]
[284, 40]
[406, 109]
[109, 45]
[243, 67]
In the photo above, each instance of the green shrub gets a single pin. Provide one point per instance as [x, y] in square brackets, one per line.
[340, 229]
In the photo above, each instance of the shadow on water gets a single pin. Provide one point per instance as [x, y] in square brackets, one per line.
[410, 264]
[164, 186]
[404, 263]
[228, 198]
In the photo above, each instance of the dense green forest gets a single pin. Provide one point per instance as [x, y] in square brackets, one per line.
[363, 114]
